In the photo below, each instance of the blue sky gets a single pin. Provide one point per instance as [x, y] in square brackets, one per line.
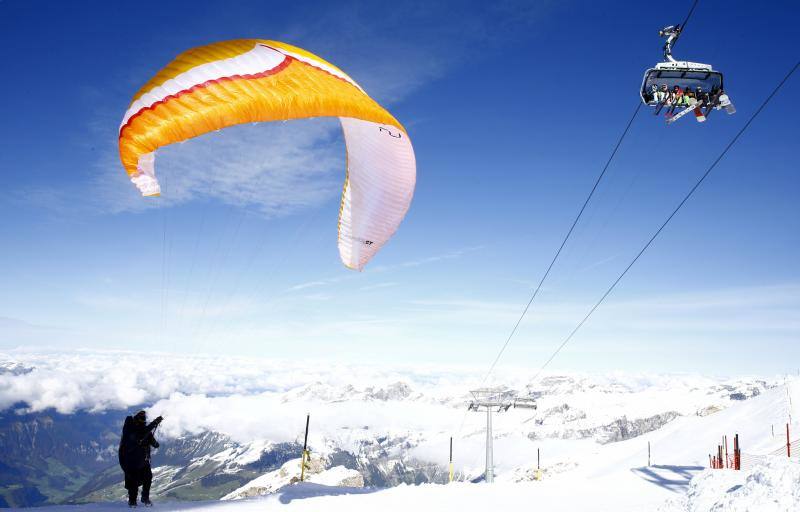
[512, 110]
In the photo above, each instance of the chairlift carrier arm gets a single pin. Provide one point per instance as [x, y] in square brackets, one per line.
[671, 33]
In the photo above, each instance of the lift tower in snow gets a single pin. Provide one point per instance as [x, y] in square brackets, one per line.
[495, 400]
[489, 400]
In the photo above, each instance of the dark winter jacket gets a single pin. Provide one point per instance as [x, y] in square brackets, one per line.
[135, 443]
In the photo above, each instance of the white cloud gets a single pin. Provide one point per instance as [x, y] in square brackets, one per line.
[729, 310]
[244, 397]
[756, 308]
[273, 168]
[434, 259]
[378, 286]
[251, 399]
[760, 322]
[280, 168]
[16, 331]
[393, 52]
[310, 284]
[386, 268]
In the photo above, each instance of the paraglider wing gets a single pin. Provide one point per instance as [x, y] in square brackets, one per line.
[252, 80]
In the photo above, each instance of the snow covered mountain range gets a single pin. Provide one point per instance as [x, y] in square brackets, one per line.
[237, 433]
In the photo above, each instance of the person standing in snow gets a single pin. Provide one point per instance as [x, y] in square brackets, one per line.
[134, 455]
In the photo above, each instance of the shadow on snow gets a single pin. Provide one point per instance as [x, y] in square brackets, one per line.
[672, 478]
[310, 490]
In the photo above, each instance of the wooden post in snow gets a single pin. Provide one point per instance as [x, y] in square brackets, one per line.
[304, 460]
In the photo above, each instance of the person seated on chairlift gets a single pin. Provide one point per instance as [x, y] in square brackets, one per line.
[663, 94]
[701, 95]
[652, 94]
[713, 98]
[677, 99]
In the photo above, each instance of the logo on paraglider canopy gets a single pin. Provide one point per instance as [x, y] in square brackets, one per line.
[363, 240]
[382, 129]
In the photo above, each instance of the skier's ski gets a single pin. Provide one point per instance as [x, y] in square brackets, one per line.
[699, 115]
[683, 112]
[659, 107]
[725, 103]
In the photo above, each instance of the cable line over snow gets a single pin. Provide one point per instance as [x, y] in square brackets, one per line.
[558, 252]
[563, 243]
[574, 223]
[669, 218]
[645, 247]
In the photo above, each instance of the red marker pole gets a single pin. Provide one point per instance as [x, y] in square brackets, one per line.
[737, 453]
[788, 443]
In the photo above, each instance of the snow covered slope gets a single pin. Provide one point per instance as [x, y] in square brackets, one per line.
[274, 481]
[770, 486]
[587, 472]
[774, 487]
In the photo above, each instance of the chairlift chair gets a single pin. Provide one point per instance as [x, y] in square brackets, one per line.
[686, 75]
